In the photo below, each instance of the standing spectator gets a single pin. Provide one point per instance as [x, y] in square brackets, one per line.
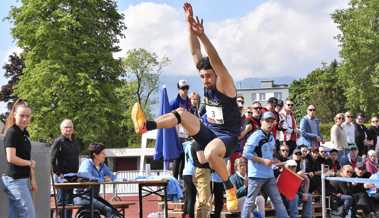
[361, 134]
[349, 128]
[270, 106]
[279, 106]
[241, 103]
[338, 136]
[310, 128]
[373, 133]
[21, 168]
[218, 195]
[195, 102]
[189, 187]
[65, 159]
[181, 101]
[259, 151]
[289, 131]
[371, 162]
[352, 157]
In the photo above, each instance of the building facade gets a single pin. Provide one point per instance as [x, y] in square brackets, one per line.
[266, 90]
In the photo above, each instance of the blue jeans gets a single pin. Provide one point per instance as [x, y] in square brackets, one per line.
[254, 189]
[19, 197]
[64, 195]
[97, 204]
[292, 206]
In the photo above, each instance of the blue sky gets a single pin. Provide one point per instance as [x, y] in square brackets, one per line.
[255, 38]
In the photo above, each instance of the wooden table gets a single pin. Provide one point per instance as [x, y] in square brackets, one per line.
[72, 185]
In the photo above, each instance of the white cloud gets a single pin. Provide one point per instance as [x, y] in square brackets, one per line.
[4, 59]
[277, 38]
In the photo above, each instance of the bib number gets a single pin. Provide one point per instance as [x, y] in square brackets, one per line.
[214, 114]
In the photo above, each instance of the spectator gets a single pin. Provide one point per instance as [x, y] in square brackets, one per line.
[95, 168]
[344, 192]
[323, 154]
[195, 103]
[287, 123]
[372, 191]
[181, 101]
[279, 106]
[373, 133]
[314, 171]
[283, 153]
[361, 134]
[218, 195]
[371, 162]
[310, 128]
[301, 168]
[259, 152]
[241, 103]
[270, 106]
[349, 128]
[302, 197]
[189, 187]
[65, 153]
[338, 136]
[333, 163]
[20, 179]
[360, 192]
[352, 157]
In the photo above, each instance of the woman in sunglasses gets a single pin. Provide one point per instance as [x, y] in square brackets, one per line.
[338, 136]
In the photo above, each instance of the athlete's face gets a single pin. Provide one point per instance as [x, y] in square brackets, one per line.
[208, 78]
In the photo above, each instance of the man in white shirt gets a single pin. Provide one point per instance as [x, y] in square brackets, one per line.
[288, 132]
[349, 128]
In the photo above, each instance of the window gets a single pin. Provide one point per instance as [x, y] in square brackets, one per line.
[262, 96]
[278, 95]
[253, 97]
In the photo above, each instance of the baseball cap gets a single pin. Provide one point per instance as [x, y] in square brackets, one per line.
[291, 163]
[182, 83]
[268, 115]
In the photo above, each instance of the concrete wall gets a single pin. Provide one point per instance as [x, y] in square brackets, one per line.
[40, 153]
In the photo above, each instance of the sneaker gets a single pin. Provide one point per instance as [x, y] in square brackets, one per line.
[257, 214]
[138, 118]
[231, 199]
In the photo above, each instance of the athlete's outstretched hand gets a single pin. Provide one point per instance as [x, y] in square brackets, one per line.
[197, 26]
[188, 12]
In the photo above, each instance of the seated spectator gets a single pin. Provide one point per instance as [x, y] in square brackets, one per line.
[283, 153]
[344, 192]
[333, 163]
[372, 191]
[305, 157]
[301, 172]
[371, 164]
[352, 157]
[359, 191]
[95, 168]
[304, 198]
[323, 155]
[314, 171]
[240, 181]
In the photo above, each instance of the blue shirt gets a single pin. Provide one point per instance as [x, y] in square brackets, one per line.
[88, 169]
[267, 148]
[309, 130]
[180, 102]
[189, 166]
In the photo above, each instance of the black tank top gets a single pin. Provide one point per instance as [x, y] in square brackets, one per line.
[222, 111]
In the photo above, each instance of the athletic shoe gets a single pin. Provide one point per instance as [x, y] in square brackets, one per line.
[231, 199]
[257, 214]
[138, 118]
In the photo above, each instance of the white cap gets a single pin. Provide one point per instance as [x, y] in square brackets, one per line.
[291, 163]
[182, 83]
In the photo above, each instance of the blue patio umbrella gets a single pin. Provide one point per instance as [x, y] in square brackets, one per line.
[167, 146]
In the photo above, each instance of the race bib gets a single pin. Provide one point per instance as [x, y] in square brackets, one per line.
[214, 114]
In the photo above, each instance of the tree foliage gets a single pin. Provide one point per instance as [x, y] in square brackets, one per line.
[144, 68]
[359, 40]
[13, 71]
[69, 69]
[323, 89]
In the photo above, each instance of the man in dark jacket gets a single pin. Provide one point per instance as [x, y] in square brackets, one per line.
[361, 134]
[65, 159]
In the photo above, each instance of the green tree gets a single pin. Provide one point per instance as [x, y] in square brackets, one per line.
[359, 40]
[323, 89]
[69, 69]
[144, 68]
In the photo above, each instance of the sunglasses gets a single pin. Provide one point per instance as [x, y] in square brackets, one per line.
[311, 109]
[374, 121]
[349, 171]
[289, 105]
[240, 101]
[349, 116]
[257, 108]
[340, 118]
[298, 153]
[184, 88]
[284, 150]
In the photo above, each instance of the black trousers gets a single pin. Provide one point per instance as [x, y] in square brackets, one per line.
[178, 167]
[189, 196]
[218, 198]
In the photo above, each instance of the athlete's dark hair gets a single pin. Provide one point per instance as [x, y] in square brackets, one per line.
[204, 64]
